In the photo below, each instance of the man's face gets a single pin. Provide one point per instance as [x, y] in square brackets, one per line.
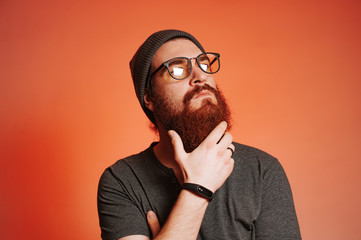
[175, 90]
[192, 106]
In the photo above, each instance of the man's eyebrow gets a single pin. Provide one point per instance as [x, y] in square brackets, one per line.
[204, 57]
[176, 61]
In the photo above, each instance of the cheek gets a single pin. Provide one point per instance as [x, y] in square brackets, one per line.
[212, 82]
[174, 92]
[172, 96]
[175, 97]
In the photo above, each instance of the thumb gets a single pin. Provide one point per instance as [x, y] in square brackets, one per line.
[177, 144]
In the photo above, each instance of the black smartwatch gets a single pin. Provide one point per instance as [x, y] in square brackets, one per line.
[199, 190]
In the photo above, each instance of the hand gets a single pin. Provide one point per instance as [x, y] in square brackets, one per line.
[211, 163]
[153, 223]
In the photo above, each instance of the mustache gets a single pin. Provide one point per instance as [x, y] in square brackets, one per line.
[189, 95]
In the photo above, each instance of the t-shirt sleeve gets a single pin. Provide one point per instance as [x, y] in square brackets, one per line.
[277, 219]
[119, 215]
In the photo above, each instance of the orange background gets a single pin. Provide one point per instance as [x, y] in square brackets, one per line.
[290, 70]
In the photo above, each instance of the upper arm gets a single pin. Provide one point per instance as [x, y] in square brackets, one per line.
[119, 213]
[277, 216]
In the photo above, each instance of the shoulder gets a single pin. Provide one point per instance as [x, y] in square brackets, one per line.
[253, 159]
[136, 170]
[138, 160]
[126, 168]
[250, 154]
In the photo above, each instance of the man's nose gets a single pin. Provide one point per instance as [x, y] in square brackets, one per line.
[198, 76]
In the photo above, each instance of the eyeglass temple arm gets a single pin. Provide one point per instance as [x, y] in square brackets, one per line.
[213, 60]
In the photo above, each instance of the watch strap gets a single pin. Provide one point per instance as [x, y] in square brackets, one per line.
[199, 190]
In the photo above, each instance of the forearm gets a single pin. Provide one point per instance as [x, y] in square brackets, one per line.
[185, 218]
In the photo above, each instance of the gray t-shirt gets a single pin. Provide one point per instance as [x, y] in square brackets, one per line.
[254, 203]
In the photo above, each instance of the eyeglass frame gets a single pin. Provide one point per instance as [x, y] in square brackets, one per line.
[166, 64]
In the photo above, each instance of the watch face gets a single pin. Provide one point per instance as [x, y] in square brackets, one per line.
[205, 191]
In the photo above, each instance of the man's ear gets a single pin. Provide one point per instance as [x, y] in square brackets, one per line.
[148, 102]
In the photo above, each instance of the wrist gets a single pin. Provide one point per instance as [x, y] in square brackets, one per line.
[199, 190]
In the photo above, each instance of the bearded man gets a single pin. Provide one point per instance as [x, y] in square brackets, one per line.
[195, 183]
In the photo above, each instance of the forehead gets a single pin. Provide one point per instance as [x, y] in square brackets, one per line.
[175, 48]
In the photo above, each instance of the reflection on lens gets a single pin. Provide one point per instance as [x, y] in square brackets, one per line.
[204, 67]
[178, 72]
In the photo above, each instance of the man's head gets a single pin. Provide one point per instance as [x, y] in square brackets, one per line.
[140, 65]
[188, 103]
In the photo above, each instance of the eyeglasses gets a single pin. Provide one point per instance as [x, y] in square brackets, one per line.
[181, 67]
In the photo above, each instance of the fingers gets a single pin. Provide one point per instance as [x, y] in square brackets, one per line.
[226, 140]
[231, 149]
[220, 135]
[153, 223]
[217, 134]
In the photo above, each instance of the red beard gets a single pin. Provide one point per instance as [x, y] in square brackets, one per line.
[193, 126]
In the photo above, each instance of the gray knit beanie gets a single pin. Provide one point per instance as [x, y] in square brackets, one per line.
[141, 62]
